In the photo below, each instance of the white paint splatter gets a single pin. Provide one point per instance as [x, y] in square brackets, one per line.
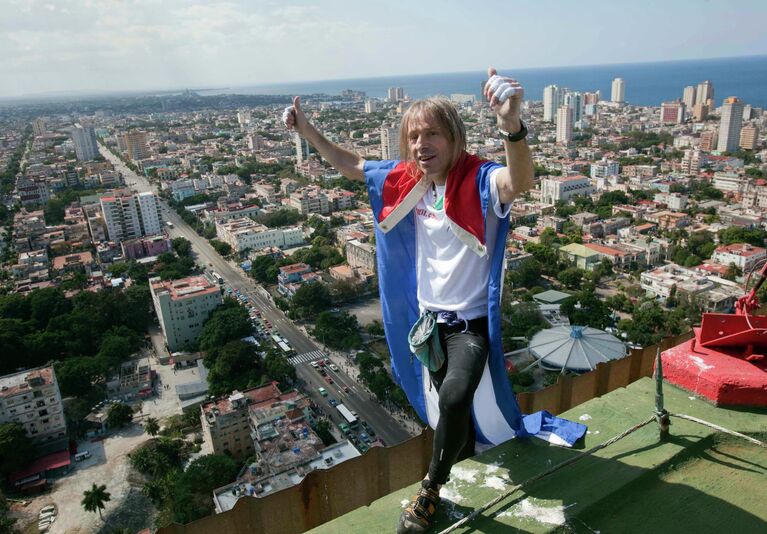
[492, 468]
[463, 474]
[497, 483]
[594, 432]
[447, 494]
[403, 503]
[554, 515]
[700, 363]
[585, 417]
[692, 398]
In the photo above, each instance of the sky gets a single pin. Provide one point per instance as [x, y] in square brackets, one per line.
[64, 46]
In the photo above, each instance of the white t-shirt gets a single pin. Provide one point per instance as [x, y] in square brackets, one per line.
[451, 277]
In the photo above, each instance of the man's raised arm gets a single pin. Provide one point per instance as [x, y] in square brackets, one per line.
[505, 96]
[348, 163]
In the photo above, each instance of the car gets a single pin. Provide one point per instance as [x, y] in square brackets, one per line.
[84, 455]
[344, 428]
[323, 392]
[333, 402]
[327, 361]
[315, 365]
[323, 372]
[354, 413]
[346, 389]
[363, 448]
[364, 437]
[330, 381]
[334, 367]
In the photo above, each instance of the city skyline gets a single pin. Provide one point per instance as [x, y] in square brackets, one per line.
[96, 47]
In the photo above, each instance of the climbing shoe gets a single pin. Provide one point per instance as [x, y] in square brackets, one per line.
[417, 516]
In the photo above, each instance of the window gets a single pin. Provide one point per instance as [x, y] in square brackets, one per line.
[42, 412]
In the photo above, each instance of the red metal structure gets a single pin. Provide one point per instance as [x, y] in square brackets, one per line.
[725, 362]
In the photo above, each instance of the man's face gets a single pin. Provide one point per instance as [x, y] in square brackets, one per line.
[430, 148]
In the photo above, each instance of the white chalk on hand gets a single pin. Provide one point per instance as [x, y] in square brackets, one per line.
[286, 113]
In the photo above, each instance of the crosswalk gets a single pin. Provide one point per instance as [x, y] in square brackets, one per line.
[307, 357]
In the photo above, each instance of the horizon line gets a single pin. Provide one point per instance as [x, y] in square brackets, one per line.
[73, 93]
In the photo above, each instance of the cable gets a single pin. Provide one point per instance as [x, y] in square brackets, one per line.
[720, 429]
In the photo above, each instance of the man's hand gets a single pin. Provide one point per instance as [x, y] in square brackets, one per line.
[294, 118]
[505, 96]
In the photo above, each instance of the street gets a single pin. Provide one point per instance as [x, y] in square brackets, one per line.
[358, 398]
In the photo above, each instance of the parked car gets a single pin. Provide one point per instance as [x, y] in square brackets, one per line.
[323, 392]
[330, 381]
[315, 365]
[334, 367]
[333, 402]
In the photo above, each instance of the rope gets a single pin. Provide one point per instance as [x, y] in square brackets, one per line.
[720, 429]
[590, 452]
[544, 474]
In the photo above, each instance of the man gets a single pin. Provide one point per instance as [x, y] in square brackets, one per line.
[441, 223]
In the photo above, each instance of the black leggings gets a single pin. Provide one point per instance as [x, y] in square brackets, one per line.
[456, 381]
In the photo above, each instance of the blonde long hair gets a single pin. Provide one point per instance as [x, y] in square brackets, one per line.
[441, 111]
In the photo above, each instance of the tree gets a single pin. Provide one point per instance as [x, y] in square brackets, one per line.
[77, 375]
[277, 367]
[338, 330]
[310, 299]
[95, 499]
[182, 246]
[264, 269]
[227, 323]
[585, 309]
[16, 448]
[527, 273]
[571, 277]
[191, 493]
[119, 415]
[151, 426]
[234, 366]
[733, 272]
[224, 249]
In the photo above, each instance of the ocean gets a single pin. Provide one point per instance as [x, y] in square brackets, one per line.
[647, 84]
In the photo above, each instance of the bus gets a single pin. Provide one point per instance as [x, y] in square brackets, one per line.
[169, 224]
[347, 415]
[217, 277]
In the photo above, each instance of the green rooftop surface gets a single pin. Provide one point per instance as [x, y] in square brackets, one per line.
[697, 481]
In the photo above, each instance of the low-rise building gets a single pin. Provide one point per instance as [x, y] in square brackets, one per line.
[556, 188]
[743, 255]
[182, 306]
[32, 398]
[245, 233]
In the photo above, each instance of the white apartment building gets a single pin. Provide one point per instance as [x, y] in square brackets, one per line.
[390, 142]
[182, 306]
[604, 168]
[555, 188]
[32, 398]
[692, 161]
[245, 233]
[370, 106]
[689, 96]
[302, 148]
[128, 216]
[574, 101]
[564, 124]
[730, 182]
[361, 255]
[266, 191]
[730, 125]
[309, 200]
[618, 93]
[84, 139]
[552, 96]
[704, 93]
[755, 196]
[675, 201]
[743, 255]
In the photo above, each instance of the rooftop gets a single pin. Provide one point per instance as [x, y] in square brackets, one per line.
[15, 383]
[703, 477]
[192, 286]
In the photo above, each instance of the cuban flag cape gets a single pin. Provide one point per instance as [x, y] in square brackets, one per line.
[395, 188]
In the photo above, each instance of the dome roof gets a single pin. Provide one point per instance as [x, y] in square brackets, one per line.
[575, 348]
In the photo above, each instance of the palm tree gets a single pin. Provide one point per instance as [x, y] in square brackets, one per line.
[95, 498]
[151, 426]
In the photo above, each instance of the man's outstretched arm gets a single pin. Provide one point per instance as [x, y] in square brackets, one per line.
[505, 96]
[346, 162]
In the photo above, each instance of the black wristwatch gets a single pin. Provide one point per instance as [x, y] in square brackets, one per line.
[513, 138]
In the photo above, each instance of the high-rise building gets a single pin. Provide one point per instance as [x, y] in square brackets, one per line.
[84, 139]
[32, 399]
[589, 99]
[748, 111]
[551, 101]
[255, 142]
[129, 216]
[708, 140]
[395, 94]
[748, 136]
[689, 96]
[243, 118]
[692, 161]
[38, 126]
[302, 148]
[564, 124]
[730, 125]
[575, 102]
[370, 106]
[700, 112]
[672, 112]
[390, 142]
[182, 306]
[705, 93]
[136, 145]
[618, 93]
